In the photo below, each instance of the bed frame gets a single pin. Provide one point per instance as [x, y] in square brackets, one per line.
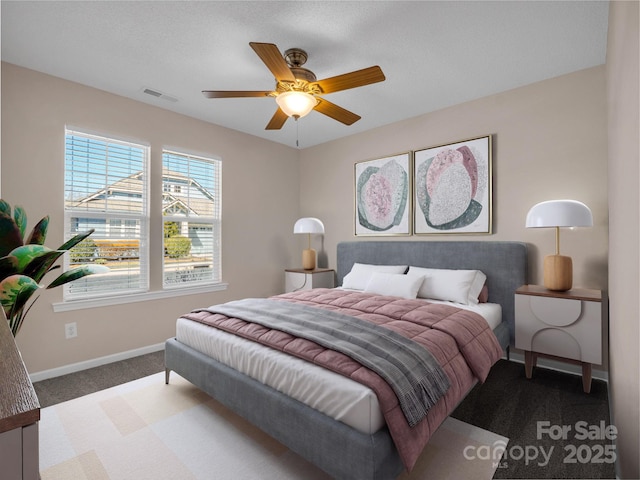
[334, 447]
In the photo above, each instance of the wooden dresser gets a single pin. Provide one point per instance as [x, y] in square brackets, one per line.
[19, 413]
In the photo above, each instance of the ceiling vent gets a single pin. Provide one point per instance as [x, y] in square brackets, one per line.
[157, 94]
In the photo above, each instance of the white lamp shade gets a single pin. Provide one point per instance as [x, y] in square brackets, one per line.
[296, 104]
[559, 213]
[308, 225]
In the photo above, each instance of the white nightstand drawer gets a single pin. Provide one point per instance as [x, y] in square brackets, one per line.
[559, 343]
[557, 312]
[563, 327]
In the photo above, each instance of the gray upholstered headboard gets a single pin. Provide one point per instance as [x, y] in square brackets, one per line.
[504, 263]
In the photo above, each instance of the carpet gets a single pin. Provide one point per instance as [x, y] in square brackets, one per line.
[148, 430]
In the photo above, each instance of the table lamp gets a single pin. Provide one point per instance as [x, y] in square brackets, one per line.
[308, 225]
[558, 269]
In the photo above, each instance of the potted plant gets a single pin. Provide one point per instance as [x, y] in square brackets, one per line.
[23, 264]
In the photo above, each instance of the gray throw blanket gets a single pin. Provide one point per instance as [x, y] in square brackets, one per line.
[410, 369]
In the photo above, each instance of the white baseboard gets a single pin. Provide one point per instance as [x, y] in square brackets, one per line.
[94, 362]
[560, 366]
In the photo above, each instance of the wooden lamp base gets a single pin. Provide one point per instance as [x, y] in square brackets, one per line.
[309, 259]
[558, 273]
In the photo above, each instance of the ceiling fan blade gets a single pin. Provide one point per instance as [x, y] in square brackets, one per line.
[337, 113]
[345, 81]
[277, 121]
[234, 94]
[274, 61]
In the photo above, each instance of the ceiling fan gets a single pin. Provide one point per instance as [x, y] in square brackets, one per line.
[297, 91]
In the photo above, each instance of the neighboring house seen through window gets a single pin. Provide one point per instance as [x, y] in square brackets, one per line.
[107, 188]
[191, 209]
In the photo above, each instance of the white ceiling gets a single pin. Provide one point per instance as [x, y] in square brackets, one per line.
[434, 54]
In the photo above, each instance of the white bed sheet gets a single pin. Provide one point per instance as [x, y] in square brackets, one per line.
[334, 395]
[491, 312]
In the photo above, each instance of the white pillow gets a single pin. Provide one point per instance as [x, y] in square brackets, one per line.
[394, 284]
[460, 286]
[476, 287]
[360, 274]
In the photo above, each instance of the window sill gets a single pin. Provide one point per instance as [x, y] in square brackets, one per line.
[136, 297]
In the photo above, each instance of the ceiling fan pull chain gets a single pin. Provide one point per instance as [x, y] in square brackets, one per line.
[297, 133]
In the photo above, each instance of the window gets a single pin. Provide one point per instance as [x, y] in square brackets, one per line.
[106, 188]
[191, 208]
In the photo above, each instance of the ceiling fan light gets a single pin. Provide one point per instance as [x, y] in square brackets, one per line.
[296, 104]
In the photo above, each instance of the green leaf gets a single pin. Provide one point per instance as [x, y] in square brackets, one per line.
[28, 253]
[5, 208]
[15, 291]
[69, 244]
[43, 264]
[39, 232]
[17, 319]
[8, 266]
[76, 273]
[20, 310]
[10, 237]
[35, 261]
[20, 216]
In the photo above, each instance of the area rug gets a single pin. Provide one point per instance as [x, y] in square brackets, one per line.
[148, 430]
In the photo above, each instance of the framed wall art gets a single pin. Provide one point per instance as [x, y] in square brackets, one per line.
[383, 196]
[452, 188]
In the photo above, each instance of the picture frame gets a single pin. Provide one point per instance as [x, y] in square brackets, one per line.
[453, 189]
[383, 197]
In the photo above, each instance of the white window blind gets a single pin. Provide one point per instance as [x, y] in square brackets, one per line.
[191, 206]
[106, 188]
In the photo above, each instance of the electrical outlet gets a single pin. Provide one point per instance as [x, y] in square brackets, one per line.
[71, 330]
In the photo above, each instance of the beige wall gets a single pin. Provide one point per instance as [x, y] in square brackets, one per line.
[549, 142]
[260, 205]
[623, 101]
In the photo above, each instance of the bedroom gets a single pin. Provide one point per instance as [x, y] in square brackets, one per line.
[553, 134]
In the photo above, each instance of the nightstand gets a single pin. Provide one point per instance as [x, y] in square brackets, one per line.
[565, 326]
[300, 279]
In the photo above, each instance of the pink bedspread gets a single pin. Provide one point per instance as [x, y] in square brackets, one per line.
[460, 340]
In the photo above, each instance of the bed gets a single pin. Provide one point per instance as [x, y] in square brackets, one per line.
[342, 448]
